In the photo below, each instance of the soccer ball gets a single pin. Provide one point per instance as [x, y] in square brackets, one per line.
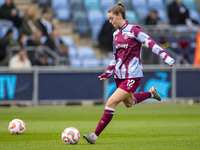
[16, 126]
[70, 135]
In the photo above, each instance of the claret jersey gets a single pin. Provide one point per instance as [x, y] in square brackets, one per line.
[127, 45]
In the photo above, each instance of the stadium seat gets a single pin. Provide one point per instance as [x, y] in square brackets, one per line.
[2, 2]
[75, 62]
[131, 16]
[96, 28]
[168, 2]
[136, 4]
[95, 16]
[106, 62]
[190, 4]
[72, 52]
[194, 15]
[6, 23]
[79, 16]
[57, 3]
[75, 3]
[43, 39]
[83, 28]
[4, 29]
[162, 14]
[44, 2]
[63, 13]
[142, 13]
[68, 41]
[77, 7]
[90, 63]
[156, 4]
[91, 4]
[85, 52]
[105, 4]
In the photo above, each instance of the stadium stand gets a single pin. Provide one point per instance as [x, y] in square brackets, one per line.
[91, 5]
[91, 63]
[2, 2]
[55, 4]
[156, 4]
[85, 52]
[190, 4]
[81, 21]
[131, 16]
[63, 13]
[105, 4]
[44, 2]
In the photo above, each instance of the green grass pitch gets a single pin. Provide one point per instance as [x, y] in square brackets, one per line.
[142, 127]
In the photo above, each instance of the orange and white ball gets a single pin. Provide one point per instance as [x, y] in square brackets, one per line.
[16, 126]
[71, 135]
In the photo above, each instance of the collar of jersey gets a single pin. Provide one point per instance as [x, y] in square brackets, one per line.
[124, 26]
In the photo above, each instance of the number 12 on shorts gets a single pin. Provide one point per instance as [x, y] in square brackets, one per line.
[130, 83]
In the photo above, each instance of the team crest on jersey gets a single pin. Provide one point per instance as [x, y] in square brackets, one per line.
[125, 36]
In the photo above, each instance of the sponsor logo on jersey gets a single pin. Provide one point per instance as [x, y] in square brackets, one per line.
[121, 46]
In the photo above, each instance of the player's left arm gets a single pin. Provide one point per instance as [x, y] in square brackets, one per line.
[151, 44]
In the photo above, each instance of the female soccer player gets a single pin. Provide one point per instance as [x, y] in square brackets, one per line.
[127, 67]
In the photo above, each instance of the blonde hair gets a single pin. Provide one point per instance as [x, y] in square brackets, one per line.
[118, 8]
[26, 15]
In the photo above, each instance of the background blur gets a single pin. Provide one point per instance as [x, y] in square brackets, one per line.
[51, 51]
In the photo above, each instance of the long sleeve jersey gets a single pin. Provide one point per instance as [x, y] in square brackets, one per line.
[127, 45]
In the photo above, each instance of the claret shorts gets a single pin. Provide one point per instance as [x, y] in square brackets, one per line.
[128, 85]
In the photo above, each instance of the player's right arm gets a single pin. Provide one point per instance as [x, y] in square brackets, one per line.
[109, 71]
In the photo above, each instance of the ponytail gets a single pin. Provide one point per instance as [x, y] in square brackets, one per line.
[118, 8]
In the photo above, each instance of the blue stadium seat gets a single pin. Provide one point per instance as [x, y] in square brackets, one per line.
[68, 41]
[142, 13]
[106, 62]
[168, 2]
[4, 29]
[44, 2]
[2, 2]
[190, 4]
[72, 52]
[156, 4]
[76, 2]
[76, 5]
[57, 3]
[83, 29]
[43, 39]
[63, 13]
[6, 23]
[105, 13]
[194, 15]
[79, 16]
[96, 28]
[162, 14]
[136, 4]
[92, 62]
[131, 16]
[95, 16]
[85, 52]
[105, 4]
[75, 62]
[92, 4]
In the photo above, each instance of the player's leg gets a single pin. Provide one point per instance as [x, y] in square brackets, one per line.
[118, 96]
[129, 101]
[141, 96]
[131, 86]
